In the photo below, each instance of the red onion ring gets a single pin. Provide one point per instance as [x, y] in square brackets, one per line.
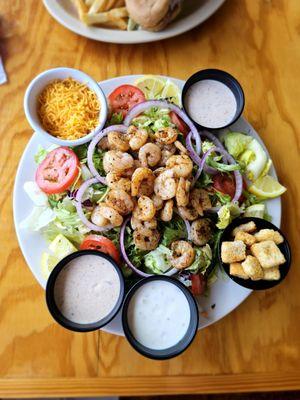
[141, 107]
[93, 144]
[171, 272]
[79, 209]
[202, 164]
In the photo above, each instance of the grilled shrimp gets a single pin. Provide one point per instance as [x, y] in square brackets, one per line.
[145, 210]
[157, 201]
[115, 180]
[98, 219]
[149, 155]
[165, 185]
[142, 182]
[182, 192]
[180, 147]
[188, 213]
[118, 161]
[182, 165]
[146, 239]
[120, 200]
[137, 223]
[117, 141]
[137, 137]
[166, 213]
[166, 135]
[103, 144]
[201, 231]
[166, 152]
[183, 254]
[200, 200]
[108, 213]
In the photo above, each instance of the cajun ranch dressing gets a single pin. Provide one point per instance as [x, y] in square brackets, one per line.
[211, 103]
[158, 315]
[87, 289]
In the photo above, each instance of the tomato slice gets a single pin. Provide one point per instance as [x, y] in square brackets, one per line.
[225, 183]
[57, 171]
[124, 97]
[198, 284]
[101, 243]
[180, 124]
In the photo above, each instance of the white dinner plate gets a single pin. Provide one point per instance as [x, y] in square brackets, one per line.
[194, 13]
[224, 295]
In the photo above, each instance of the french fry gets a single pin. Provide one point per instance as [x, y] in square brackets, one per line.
[89, 2]
[118, 23]
[109, 16]
[80, 7]
[98, 6]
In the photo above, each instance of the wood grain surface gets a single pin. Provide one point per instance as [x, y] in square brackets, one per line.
[257, 347]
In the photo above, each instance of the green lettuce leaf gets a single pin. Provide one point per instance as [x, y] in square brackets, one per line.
[157, 261]
[202, 260]
[226, 214]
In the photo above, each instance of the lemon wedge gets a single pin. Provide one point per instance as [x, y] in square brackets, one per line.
[266, 187]
[48, 262]
[172, 93]
[151, 86]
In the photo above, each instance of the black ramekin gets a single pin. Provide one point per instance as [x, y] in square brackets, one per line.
[54, 310]
[184, 342]
[284, 248]
[221, 76]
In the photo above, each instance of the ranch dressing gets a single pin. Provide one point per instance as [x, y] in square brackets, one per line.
[87, 289]
[211, 103]
[158, 315]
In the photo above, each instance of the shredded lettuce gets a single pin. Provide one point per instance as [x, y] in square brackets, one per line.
[41, 153]
[135, 255]
[98, 155]
[203, 181]
[116, 119]
[173, 230]
[157, 261]
[36, 195]
[226, 214]
[202, 261]
[39, 218]
[154, 119]
[220, 198]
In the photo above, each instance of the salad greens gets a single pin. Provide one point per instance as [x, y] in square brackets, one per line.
[154, 119]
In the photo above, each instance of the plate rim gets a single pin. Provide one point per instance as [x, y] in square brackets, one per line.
[66, 20]
[17, 185]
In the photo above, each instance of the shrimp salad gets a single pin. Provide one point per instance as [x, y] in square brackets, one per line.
[150, 190]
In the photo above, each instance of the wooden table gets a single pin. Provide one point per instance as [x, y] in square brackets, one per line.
[256, 347]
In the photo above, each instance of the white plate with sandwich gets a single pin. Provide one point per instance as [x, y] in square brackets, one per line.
[131, 21]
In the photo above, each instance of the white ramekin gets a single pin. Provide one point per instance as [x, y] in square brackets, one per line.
[37, 85]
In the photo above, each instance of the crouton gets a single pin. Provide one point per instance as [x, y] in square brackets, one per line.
[268, 254]
[272, 274]
[233, 251]
[249, 227]
[245, 237]
[269, 234]
[252, 268]
[236, 269]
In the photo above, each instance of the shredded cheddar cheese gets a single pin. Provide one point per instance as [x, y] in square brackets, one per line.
[68, 109]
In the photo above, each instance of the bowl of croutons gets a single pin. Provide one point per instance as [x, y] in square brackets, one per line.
[254, 253]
